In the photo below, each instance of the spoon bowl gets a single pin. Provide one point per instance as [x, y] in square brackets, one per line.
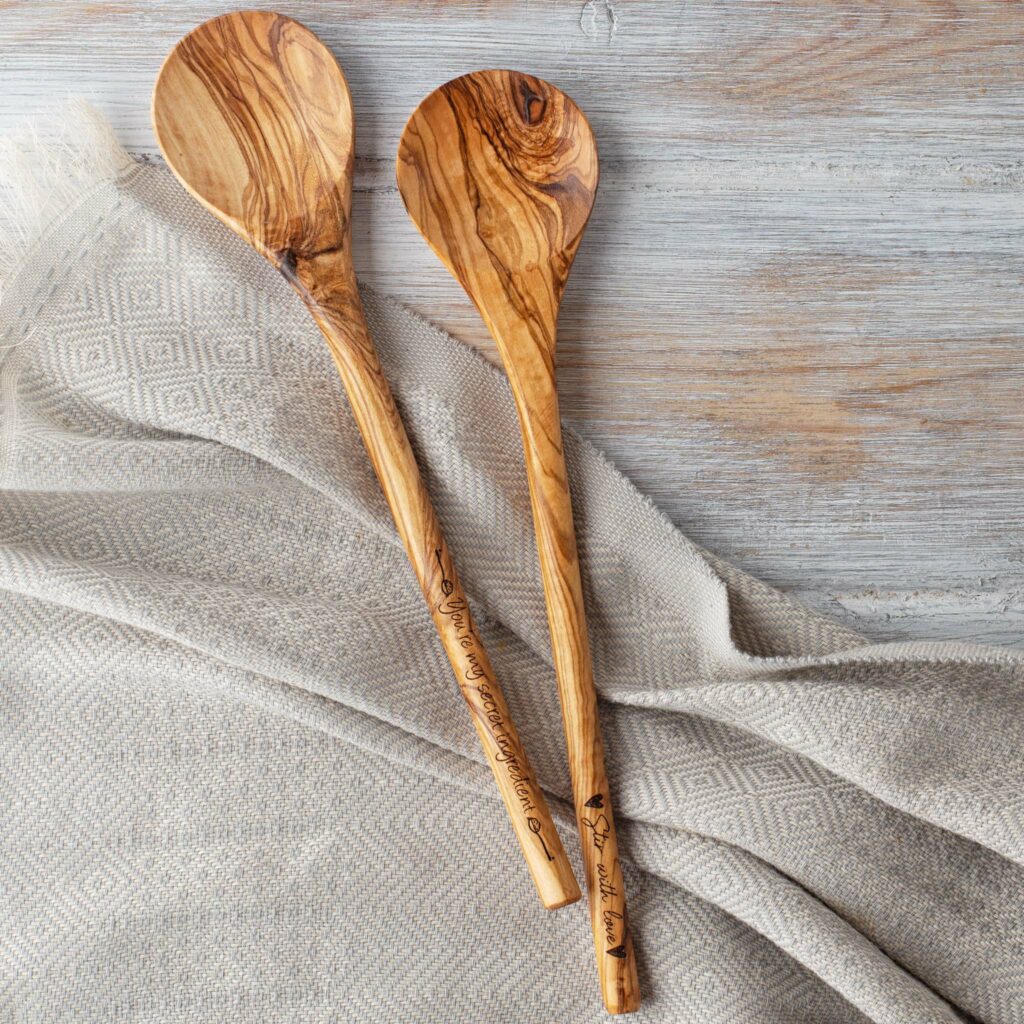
[254, 116]
[499, 172]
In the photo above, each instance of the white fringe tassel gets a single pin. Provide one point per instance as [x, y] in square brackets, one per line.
[45, 169]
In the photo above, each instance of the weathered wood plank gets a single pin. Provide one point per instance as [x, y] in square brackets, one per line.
[797, 319]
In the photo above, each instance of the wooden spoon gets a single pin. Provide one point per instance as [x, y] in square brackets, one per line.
[499, 171]
[254, 117]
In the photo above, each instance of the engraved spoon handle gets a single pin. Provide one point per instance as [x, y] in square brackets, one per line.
[327, 286]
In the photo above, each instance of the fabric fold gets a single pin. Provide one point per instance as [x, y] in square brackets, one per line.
[224, 702]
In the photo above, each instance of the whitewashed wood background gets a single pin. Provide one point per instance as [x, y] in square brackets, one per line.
[797, 319]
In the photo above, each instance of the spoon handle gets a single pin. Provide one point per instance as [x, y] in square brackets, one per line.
[327, 285]
[533, 384]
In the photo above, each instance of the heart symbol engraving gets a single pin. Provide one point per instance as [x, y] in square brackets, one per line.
[595, 801]
[618, 951]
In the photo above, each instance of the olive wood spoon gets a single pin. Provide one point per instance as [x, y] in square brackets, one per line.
[254, 116]
[498, 170]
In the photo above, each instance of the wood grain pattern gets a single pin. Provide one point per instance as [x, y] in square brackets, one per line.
[796, 323]
[254, 116]
[499, 172]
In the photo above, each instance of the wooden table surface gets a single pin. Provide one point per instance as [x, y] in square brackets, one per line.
[797, 318]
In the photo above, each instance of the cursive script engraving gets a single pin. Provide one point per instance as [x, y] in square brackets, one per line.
[456, 609]
[605, 887]
[507, 753]
[490, 709]
[611, 918]
[599, 827]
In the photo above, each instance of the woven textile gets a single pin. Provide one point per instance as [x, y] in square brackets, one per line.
[237, 781]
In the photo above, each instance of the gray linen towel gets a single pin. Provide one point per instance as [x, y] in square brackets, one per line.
[237, 782]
